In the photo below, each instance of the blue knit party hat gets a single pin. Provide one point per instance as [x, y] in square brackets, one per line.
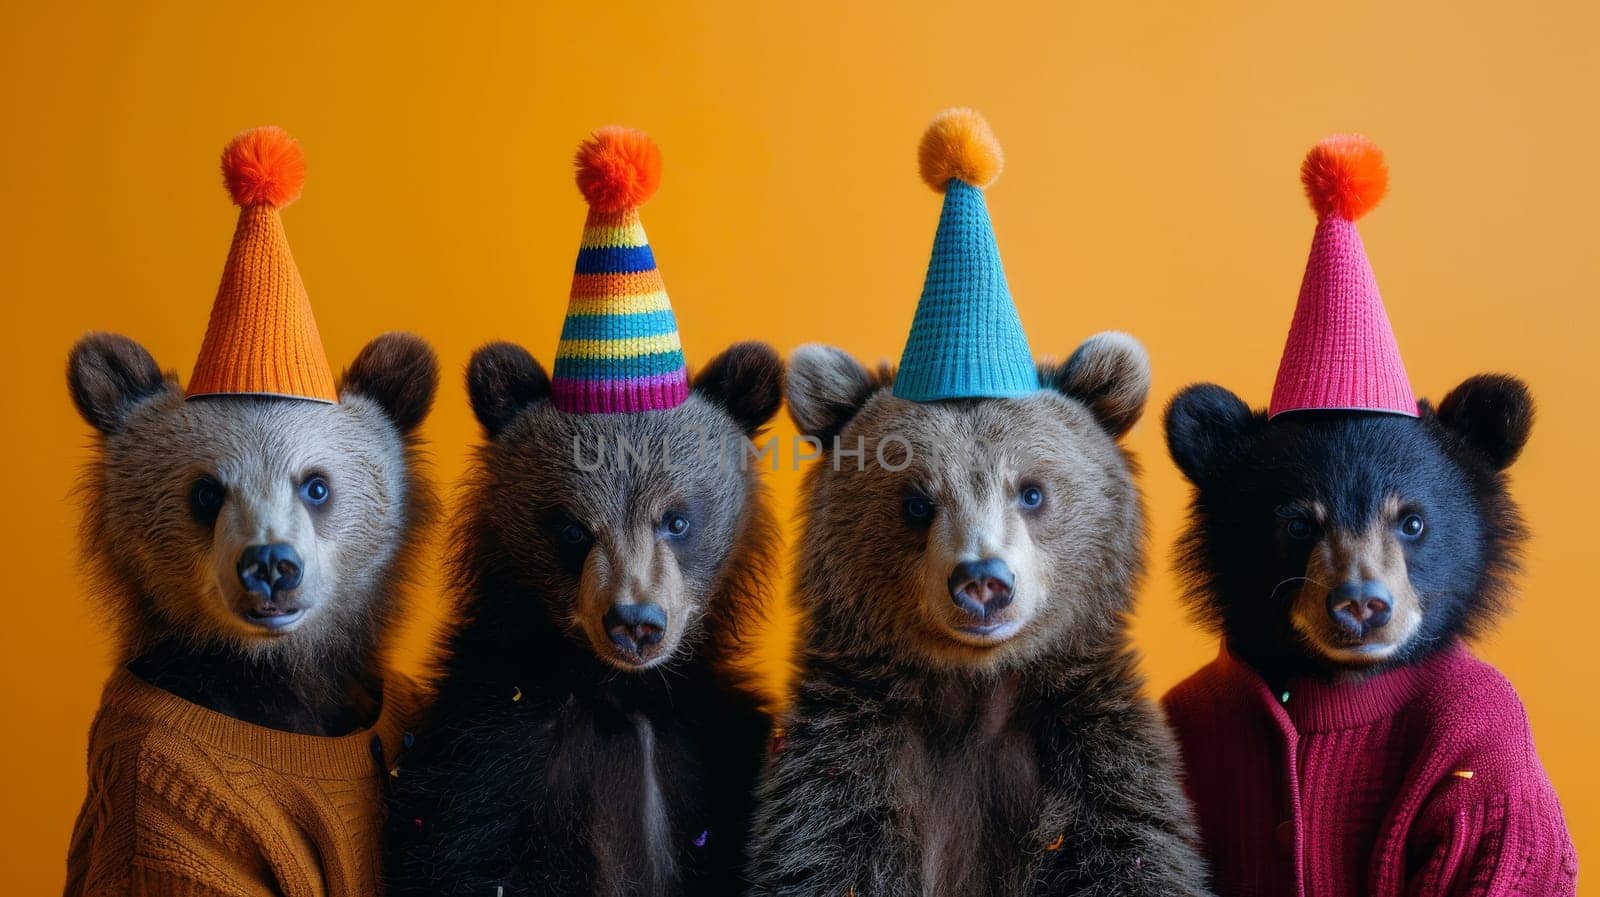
[966, 339]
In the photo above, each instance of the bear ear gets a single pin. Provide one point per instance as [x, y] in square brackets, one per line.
[400, 372]
[1110, 373]
[826, 388]
[503, 379]
[1204, 422]
[747, 381]
[1493, 413]
[110, 375]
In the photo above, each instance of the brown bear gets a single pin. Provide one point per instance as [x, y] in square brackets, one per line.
[592, 733]
[252, 552]
[969, 717]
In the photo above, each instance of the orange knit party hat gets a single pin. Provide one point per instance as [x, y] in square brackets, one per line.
[262, 339]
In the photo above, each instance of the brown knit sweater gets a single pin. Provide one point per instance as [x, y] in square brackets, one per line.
[187, 801]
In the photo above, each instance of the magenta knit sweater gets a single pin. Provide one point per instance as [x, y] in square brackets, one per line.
[1419, 781]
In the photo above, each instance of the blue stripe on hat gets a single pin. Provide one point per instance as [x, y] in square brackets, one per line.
[615, 260]
[628, 326]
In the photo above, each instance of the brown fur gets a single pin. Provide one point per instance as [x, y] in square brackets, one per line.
[1372, 555]
[165, 579]
[923, 760]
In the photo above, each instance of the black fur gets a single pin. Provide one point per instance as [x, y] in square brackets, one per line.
[1493, 413]
[530, 767]
[1241, 571]
[253, 689]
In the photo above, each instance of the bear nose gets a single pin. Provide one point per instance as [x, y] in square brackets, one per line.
[269, 569]
[634, 627]
[981, 587]
[1360, 607]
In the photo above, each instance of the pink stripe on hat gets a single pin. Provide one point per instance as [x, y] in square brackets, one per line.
[1341, 353]
[654, 393]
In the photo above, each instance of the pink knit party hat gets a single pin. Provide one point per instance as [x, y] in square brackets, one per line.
[1341, 353]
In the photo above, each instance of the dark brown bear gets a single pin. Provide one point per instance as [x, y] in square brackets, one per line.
[969, 718]
[590, 734]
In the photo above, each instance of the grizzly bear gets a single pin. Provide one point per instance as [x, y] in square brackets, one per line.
[968, 718]
[592, 732]
[1344, 742]
[252, 553]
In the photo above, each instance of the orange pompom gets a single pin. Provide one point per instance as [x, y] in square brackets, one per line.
[264, 167]
[1345, 175]
[959, 145]
[618, 168]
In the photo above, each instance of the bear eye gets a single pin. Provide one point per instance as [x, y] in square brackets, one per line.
[572, 541]
[315, 490]
[918, 510]
[675, 523]
[1031, 496]
[1299, 529]
[206, 496]
[1411, 526]
[573, 533]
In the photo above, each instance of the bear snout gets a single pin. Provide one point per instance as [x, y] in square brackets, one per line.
[982, 588]
[635, 628]
[269, 573]
[267, 570]
[1360, 606]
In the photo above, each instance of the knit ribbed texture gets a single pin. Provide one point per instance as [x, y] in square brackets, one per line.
[1420, 780]
[1341, 352]
[966, 340]
[184, 800]
[262, 338]
[619, 349]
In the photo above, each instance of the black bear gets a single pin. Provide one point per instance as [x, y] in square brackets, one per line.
[591, 734]
[1343, 542]
[1345, 732]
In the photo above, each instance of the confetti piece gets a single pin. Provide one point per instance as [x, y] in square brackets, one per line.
[1056, 844]
[1462, 773]
[1283, 698]
[394, 773]
[701, 839]
[516, 694]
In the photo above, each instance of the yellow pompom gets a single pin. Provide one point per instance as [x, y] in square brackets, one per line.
[959, 145]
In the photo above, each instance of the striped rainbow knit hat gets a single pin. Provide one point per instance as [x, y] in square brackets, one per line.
[619, 349]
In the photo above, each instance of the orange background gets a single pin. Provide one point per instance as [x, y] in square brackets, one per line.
[1151, 186]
